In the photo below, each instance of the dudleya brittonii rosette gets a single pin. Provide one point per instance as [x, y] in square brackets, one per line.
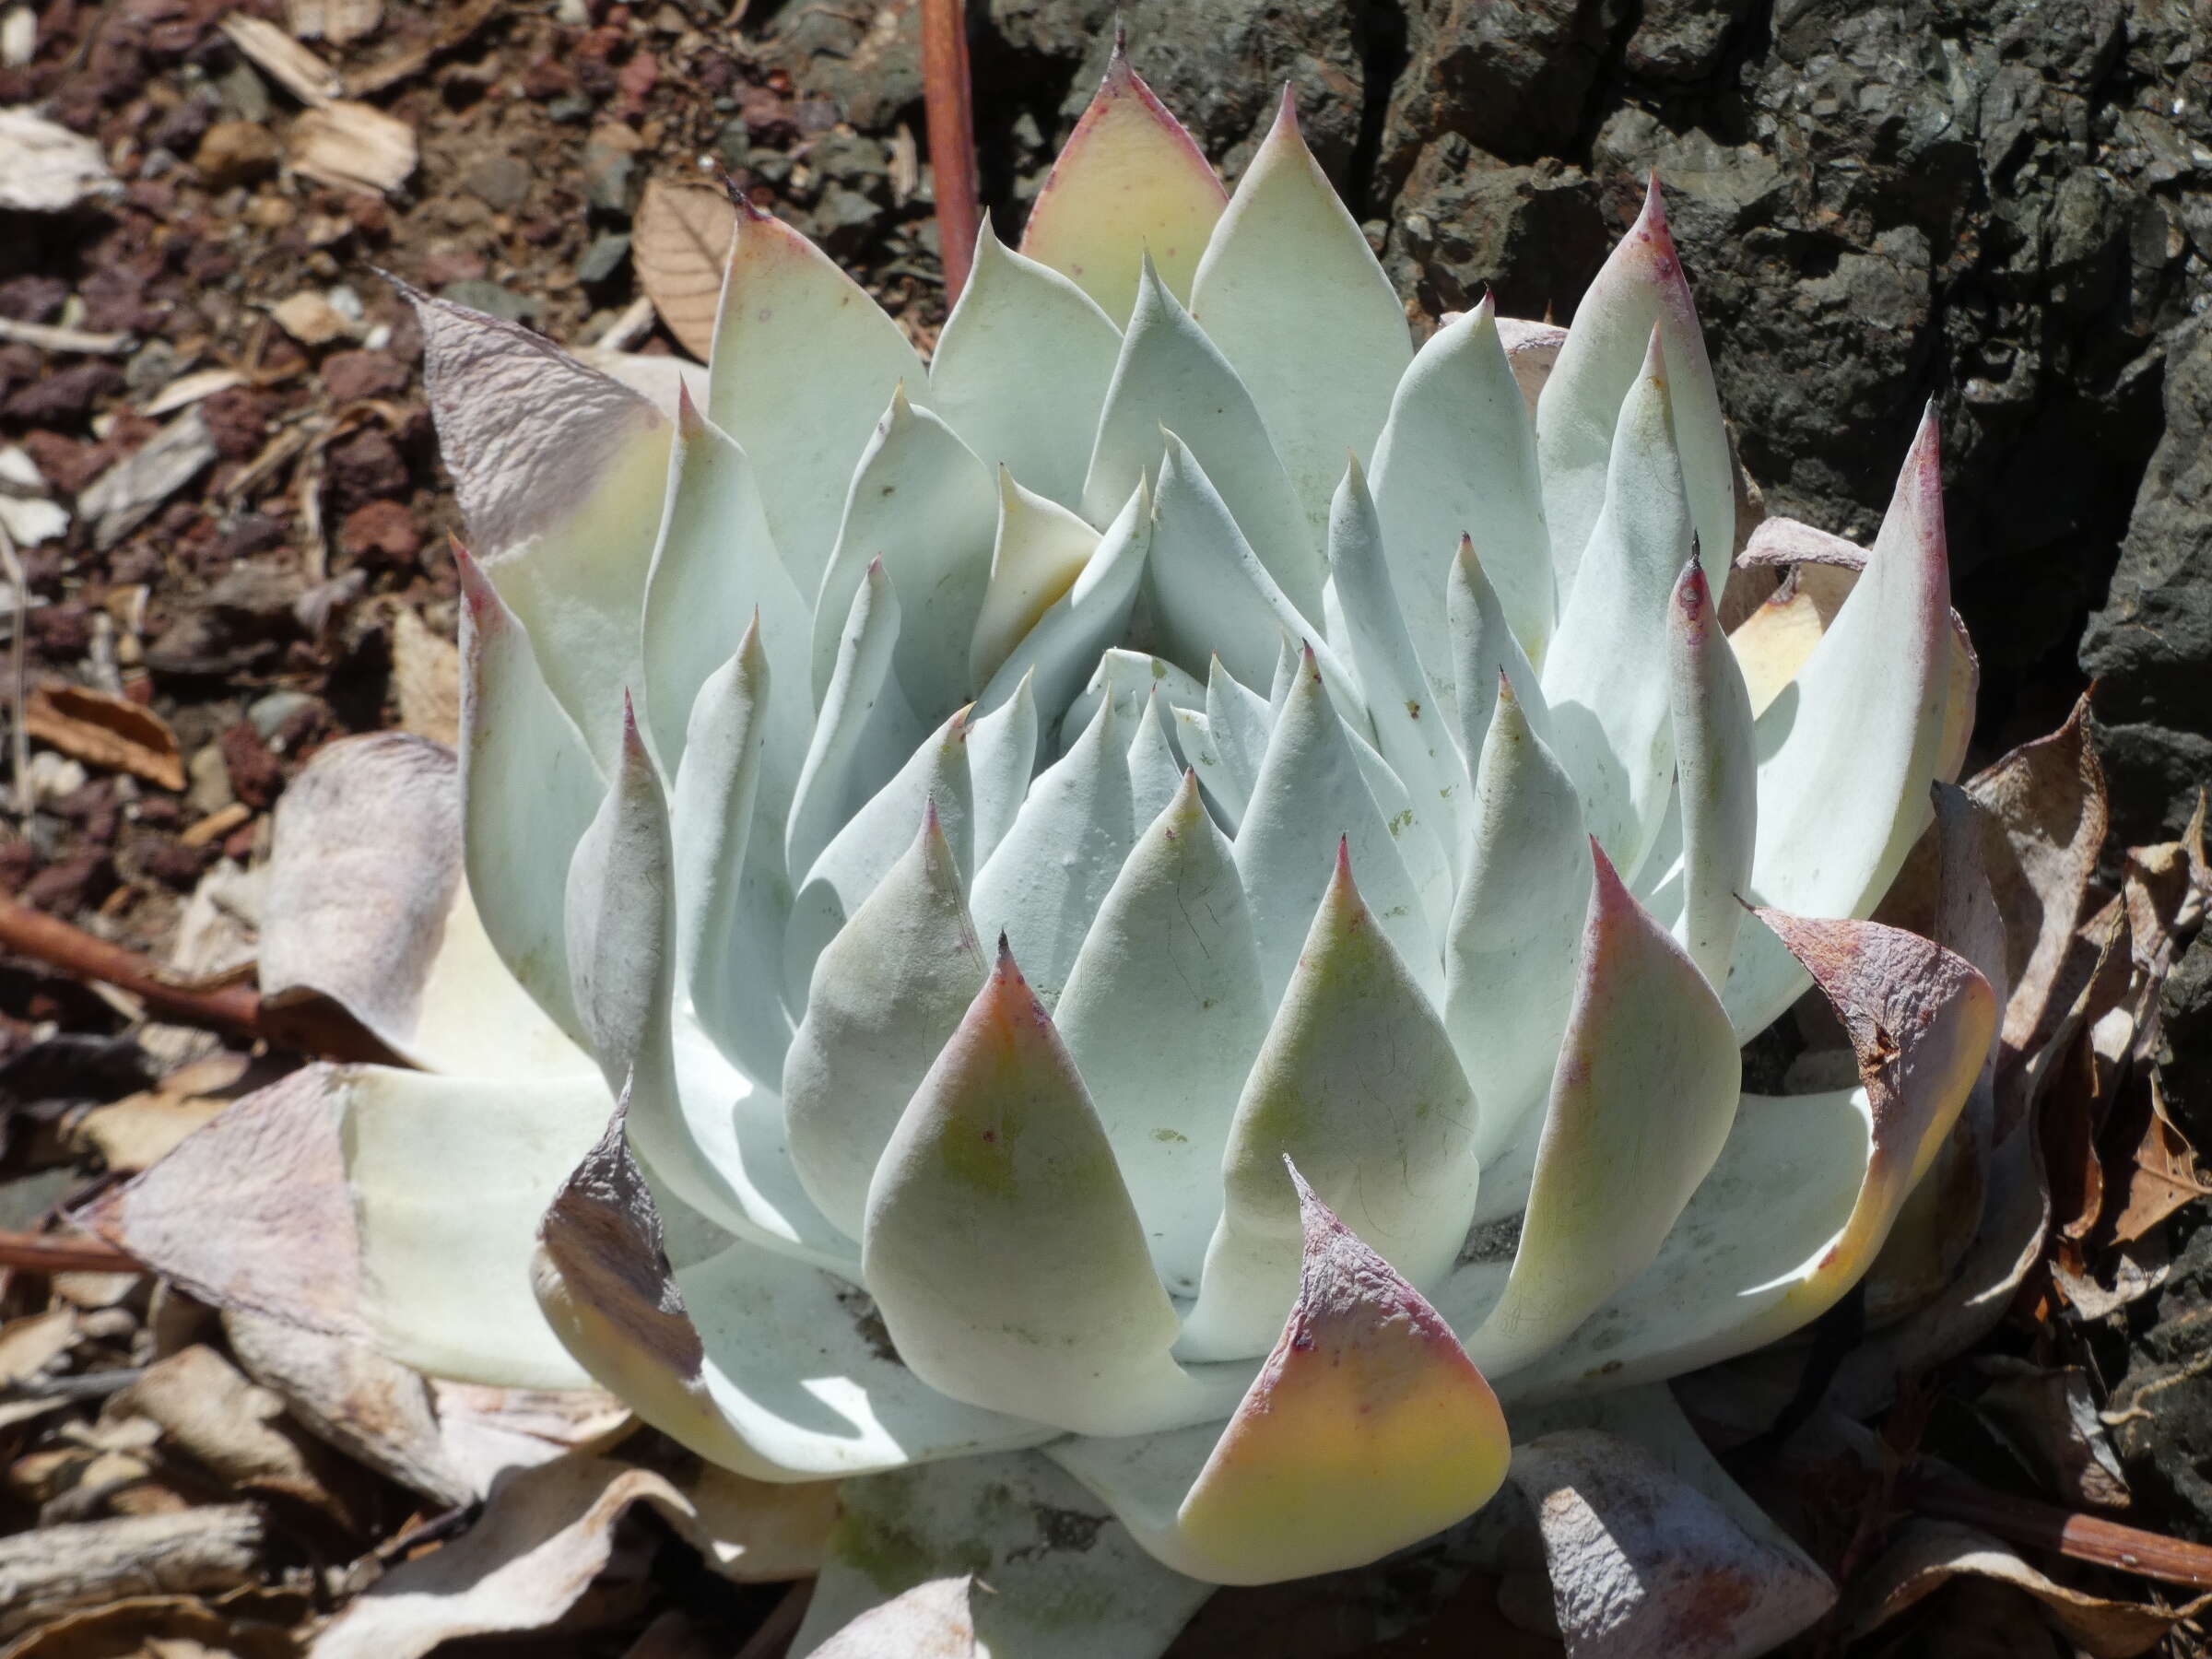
[1001, 818]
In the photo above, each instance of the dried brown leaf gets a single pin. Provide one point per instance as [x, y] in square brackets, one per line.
[932, 1620]
[1926, 1555]
[426, 677]
[52, 1569]
[234, 1428]
[104, 731]
[2163, 1177]
[681, 246]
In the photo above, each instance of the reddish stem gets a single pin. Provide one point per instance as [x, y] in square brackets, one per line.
[948, 100]
[65, 1253]
[2064, 1532]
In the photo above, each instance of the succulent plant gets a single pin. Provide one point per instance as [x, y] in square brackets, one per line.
[1179, 886]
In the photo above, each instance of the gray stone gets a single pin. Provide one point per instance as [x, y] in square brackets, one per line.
[500, 182]
[604, 257]
[490, 298]
[610, 178]
[269, 713]
[734, 144]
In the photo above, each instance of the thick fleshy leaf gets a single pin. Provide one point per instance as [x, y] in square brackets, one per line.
[1293, 296]
[783, 1375]
[1156, 771]
[1047, 879]
[865, 732]
[1640, 1561]
[1130, 185]
[562, 509]
[933, 781]
[1357, 1085]
[1367, 1429]
[1484, 655]
[1852, 745]
[1170, 376]
[1640, 1105]
[1716, 775]
[886, 993]
[1412, 731]
[1511, 949]
[365, 905]
[1001, 1244]
[1639, 289]
[1458, 459]
[714, 1136]
[1807, 1187]
[1310, 798]
[1002, 757]
[715, 570]
[1041, 549]
[452, 1170]
[732, 898]
[1013, 317]
[927, 508]
[1162, 1015]
[1059, 1575]
[529, 790]
[1064, 647]
[803, 364]
[1606, 676]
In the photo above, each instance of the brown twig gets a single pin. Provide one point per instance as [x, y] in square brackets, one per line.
[948, 100]
[65, 1253]
[306, 1025]
[2063, 1532]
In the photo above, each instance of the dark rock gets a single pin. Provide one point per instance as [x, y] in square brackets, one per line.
[382, 532]
[1466, 221]
[1683, 40]
[169, 861]
[60, 633]
[2165, 1444]
[2151, 647]
[365, 466]
[255, 774]
[2185, 1059]
[238, 421]
[66, 396]
[501, 181]
[350, 375]
[36, 297]
[71, 884]
[1513, 80]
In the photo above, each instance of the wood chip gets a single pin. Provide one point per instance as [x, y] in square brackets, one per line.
[49, 337]
[110, 732]
[310, 319]
[188, 389]
[125, 496]
[337, 21]
[681, 248]
[27, 1346]
[45, 168]
[353, 146]
[291, 66]
[217, 825]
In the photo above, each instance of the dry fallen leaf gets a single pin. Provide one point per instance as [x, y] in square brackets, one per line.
[138, 1131]
[310, 319]
[104, 731]
[1926, 1555]
[28, 1345]
[235, 1429]
[425, 677]
[291, 66]
[932, 1620]
[354, 146]
[125, 496]
[545, 1535]
[682, 243]
[214, 1546]
[337, 21]
[2164, 1177]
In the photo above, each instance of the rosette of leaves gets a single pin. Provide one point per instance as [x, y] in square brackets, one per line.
[1176, 889]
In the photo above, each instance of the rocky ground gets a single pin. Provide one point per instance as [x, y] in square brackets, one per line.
[216, 458]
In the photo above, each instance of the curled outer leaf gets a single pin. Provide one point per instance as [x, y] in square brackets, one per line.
[1368, 1428]
[1805, 1190]
[1130, 185]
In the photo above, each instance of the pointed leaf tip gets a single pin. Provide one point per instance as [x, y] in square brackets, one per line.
[1367, 1429]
